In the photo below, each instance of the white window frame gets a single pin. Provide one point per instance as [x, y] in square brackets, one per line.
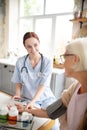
[12, 26]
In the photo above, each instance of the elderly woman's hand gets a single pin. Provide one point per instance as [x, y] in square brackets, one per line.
[20, 107]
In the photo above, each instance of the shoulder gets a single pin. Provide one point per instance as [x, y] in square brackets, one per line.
[20, 60]
[67, 93]
[71, 88]
[47, 58]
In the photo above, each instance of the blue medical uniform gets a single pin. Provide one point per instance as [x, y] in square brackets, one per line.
[31, 81]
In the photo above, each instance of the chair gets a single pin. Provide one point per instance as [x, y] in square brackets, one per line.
[48, 125]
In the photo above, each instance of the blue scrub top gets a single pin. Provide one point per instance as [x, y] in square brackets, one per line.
[31, 81]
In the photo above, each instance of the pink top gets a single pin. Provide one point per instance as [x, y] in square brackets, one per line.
[76, 109]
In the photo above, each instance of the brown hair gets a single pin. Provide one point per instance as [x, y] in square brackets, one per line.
[29, 35]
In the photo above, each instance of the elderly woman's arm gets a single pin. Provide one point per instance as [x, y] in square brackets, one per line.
[34, 110]
[53, 111]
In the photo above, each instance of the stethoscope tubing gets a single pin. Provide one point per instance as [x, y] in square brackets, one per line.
[24, 67]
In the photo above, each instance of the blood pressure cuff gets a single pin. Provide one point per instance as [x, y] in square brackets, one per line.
[56, 109]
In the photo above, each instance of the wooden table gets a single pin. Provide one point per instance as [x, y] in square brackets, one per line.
[37, 123]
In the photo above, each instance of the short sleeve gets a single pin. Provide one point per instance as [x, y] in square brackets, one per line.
[16, 78]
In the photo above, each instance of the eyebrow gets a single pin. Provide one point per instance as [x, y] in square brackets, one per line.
[67, 55]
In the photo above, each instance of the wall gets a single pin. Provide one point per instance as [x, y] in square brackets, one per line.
[8, 11]
[3, 47]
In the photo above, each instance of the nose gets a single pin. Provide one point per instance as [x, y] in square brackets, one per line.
[33, 49]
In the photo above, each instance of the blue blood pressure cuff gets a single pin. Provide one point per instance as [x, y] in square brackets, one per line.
[56, 109]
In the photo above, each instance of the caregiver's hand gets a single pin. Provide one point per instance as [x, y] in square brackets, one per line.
[16, 97]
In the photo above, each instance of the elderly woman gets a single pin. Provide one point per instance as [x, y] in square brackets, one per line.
[72, 107]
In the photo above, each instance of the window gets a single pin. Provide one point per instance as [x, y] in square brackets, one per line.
[56, 6]
[50, 20]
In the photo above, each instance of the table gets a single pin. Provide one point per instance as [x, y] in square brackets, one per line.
[36, 124]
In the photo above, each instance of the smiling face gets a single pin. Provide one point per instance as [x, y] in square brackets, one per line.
[31, 43]
[32, 46]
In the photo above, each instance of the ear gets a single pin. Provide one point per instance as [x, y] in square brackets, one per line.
[76, 59]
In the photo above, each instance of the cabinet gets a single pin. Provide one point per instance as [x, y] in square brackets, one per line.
[6, 72]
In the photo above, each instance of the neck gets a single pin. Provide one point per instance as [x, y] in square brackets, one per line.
[35, 59]
[82, 78]
[82, 89]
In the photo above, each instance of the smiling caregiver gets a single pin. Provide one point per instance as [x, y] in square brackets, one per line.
[32, 74]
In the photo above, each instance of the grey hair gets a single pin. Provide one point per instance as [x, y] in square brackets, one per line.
[79, 47]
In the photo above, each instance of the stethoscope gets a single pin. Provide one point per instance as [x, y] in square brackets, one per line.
[24, 68]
